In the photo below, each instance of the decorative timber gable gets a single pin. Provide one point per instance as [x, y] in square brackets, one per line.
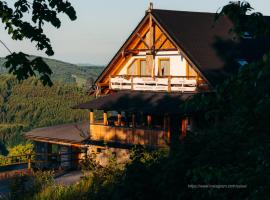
[150, 39]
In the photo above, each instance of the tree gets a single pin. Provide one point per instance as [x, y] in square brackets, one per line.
[41, 12]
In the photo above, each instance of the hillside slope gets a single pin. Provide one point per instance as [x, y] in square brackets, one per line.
[66, 72]
[29, 105]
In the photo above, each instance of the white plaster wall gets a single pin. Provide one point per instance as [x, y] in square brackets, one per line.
[177, 63]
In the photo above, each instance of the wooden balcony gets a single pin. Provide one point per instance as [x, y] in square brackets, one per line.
[147, 83]
[130, 136]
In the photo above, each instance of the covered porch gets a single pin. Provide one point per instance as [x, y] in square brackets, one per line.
[59, 147]
[131, 118]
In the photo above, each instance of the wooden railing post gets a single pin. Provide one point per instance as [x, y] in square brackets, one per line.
[169, 84]
[131, 82]
[29, 162]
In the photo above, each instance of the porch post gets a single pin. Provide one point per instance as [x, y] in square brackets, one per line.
[91, 116]
[184, 128]
[105, 118]
[149, 120]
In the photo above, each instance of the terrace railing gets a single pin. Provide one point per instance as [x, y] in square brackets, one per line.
[148, 83]
[127, 135]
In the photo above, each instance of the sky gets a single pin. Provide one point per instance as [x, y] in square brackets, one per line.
[102, 26]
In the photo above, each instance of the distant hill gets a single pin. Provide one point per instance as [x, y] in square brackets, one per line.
[66, 72]
[29, 105]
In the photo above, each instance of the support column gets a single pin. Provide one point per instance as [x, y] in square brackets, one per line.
[91, 116]
[105, 118]
[184, 128]
[149, 120]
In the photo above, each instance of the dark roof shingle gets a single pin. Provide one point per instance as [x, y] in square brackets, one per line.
[196, 33]
[135, 101]
[70, 133]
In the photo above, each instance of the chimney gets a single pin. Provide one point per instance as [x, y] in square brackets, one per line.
[150, 8]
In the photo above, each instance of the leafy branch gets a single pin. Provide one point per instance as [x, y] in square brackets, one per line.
[41, 11]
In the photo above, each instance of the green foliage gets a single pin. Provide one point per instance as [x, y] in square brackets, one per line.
[29, 105]
[21, 149]
[245, 19]
[42, 11]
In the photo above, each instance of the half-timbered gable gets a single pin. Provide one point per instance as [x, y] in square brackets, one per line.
[155, 57]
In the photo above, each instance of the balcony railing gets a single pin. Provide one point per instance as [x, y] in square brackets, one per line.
[147, 83]
[126, 135]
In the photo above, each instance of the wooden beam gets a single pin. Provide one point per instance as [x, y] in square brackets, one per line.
[141, 39]
[159, 37]
[150, 54]
[91, 117]
[162, 44]
[105, 118]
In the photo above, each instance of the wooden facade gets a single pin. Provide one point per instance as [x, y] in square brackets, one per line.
[129, 136]
[151, 45]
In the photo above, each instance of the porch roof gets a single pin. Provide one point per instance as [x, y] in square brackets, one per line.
[137, 101]
[75, 133]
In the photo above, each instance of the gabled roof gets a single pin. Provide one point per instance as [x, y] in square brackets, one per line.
[196, 33]
[206, 43]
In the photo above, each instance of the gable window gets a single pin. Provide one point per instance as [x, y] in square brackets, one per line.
[143, 69]
[137, 67]
[132, 69]
[164, 67]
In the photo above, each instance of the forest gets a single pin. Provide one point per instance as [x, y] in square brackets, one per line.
[27, 105]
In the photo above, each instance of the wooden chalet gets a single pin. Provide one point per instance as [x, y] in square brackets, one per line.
[169, 57]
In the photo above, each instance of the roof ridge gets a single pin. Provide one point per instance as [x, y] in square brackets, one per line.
[184, 11]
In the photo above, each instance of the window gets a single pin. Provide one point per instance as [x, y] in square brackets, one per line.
[143, 69]
[132, 69]
[137, 67]
[164, 67]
